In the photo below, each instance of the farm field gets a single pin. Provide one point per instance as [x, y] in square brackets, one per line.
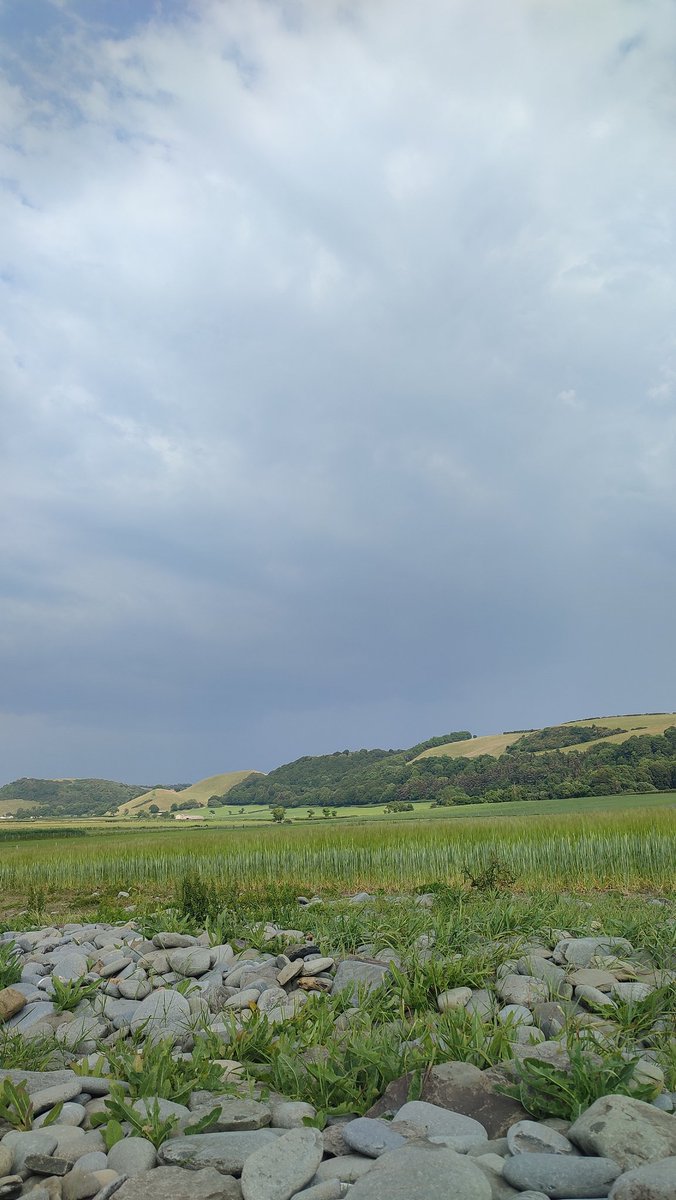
[582, 804]
[627, 849]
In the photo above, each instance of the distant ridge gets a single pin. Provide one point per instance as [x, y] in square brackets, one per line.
[628, 753]
[495, 744]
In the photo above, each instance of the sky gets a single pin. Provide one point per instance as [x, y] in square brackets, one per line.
[337, 375]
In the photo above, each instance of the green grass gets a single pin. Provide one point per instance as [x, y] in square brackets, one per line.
[630, 848]
[259, 813]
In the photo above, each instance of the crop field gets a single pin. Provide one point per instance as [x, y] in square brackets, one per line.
[627, 850]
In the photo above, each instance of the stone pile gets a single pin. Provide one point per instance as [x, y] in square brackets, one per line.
[463, 1139]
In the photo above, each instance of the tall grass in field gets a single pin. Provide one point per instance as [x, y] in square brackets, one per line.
[627, 850]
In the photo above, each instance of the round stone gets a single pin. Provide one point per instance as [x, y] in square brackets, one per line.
[455, 1130]
[369, 1136]
[131, 1156]
[560, 1176]
[454, 998]
[655, 1181]
[530, 1137]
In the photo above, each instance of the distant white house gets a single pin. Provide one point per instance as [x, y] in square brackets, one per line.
[190, 816]
[6, 816]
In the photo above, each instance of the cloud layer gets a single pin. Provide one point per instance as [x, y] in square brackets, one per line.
[337, 376]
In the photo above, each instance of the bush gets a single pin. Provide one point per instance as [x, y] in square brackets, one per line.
[198, 900]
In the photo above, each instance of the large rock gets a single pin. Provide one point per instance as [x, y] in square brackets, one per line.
[358, 973]
[164, 1014]
[461, 1088]
[31, 1015]
[347, 1168]
[369, 1136]
[235, 1114]
[190, 961]
[132, 1156]
[173, 1183]
[282, 1168]
[655, 1181]
[581, 951]
[70, 966]
[225, 1152]
[24, 1144]
[11, 1003]
[560, 1175]
[429, 1120]
[530, 1137]
[522, 989]
[417, 1172]
[627, 1130]
[38, 1081]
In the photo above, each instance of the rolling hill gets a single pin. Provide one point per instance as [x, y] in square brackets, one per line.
[68, 797]
[634, 753]
[213, 785]
[495, 744]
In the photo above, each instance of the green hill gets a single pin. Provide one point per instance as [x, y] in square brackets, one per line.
[617, 730]
[200, 792]
[593, 756]
[68, 797]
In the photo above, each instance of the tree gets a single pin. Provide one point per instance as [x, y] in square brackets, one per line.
[154, 808]
[278, 813]
[310, 813]
[326, 812]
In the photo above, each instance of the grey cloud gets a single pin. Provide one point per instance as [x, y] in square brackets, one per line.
[338, 378]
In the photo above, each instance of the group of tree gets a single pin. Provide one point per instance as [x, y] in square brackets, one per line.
[392, 777]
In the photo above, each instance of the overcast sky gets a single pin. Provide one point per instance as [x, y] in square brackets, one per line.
[337, 375]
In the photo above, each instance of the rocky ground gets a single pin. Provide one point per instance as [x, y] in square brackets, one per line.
[90, 1124]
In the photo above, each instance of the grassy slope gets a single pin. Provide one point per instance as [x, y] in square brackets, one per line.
[496, 743]
[10, 806]
[214, 785]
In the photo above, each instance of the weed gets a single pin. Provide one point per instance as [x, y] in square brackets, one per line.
[640, 1020]
[491, 875]
[17, 1109]
[68, 993]
[546, 1090]
[10, 964]
[461, 1036]
[27, 1054]
[145, 1120]
[197, 898]
[154, 1069]
[36, 904]
[418, 985]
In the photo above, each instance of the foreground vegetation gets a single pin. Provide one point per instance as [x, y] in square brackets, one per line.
[340, 1058]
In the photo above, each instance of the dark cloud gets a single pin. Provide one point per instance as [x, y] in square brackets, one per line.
[337, 374]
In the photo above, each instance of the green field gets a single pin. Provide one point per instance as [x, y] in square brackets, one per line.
[255, 814]
[628, 848]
